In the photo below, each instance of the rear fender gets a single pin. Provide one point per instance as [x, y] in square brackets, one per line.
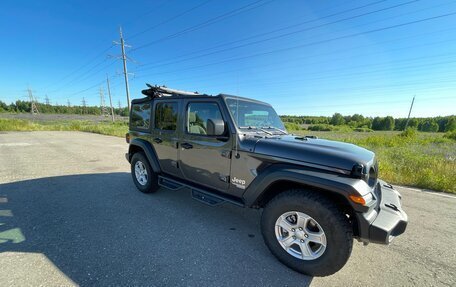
[148, 150]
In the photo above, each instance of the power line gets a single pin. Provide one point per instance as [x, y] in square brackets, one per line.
[331, 60]
[141, 16]
[324, 41]
[208, 22]
[81, 67]
[286, 34]
[169, 19]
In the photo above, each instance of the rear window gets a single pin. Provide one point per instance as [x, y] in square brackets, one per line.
[166, 116]
[140, 116]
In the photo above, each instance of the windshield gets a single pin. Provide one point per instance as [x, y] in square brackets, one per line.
[251, 115]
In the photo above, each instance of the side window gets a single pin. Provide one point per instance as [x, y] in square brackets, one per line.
[201, 118]
[166, 116]
[140, 116]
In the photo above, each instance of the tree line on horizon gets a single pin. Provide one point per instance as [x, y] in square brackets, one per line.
[337, 121]
[25, 107]
[359, 122]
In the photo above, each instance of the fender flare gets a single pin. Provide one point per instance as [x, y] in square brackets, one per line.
[331, 182]
[149, 152]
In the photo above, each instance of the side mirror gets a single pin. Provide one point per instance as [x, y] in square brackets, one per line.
[215, 127]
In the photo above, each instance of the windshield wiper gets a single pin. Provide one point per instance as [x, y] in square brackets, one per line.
[257, 128]
[276, 129]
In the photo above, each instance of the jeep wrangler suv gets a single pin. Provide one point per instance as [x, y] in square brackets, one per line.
[316, 195]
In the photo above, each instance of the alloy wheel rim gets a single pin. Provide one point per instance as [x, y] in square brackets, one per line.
[141, 173]
[300, 235]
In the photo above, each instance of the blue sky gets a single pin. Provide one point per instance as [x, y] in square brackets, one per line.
[303, 57]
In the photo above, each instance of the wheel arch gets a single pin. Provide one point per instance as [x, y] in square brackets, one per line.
[280, 180]
[140, 145]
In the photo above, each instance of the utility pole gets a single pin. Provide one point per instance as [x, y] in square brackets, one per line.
[124, 61]
[110, 99]
[33, 108]
[102, 103]
[410, 111]
[47, 100]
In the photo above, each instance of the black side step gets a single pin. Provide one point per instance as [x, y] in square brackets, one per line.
[202, 195]
[169, 183]
[206, 198]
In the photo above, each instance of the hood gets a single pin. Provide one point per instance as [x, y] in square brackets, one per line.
[315, 152]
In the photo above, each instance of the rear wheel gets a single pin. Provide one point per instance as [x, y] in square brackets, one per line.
[143, 176]
[307, 232]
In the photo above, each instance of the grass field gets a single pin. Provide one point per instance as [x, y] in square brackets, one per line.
[425, 160]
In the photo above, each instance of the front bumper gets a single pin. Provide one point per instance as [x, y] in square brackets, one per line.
[386, 220]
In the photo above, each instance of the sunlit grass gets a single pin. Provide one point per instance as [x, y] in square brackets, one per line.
[105, 128]
[426, 160]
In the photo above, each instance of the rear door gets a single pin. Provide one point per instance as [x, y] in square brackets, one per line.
[205, 159]
[165, 134]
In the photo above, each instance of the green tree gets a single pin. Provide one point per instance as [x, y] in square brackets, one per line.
[388, 123]
[429, 126]
[450, 124]
[377, 124]
[337, 119]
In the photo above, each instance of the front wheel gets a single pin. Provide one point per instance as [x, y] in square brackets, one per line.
[143, 176]
[307, 232]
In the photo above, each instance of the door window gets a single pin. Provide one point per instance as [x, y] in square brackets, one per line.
[198, 115]
[140, 116]
[166, 116]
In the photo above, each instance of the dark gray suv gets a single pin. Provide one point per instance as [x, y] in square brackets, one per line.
[316, 195]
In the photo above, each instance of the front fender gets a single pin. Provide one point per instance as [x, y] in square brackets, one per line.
[321, 180]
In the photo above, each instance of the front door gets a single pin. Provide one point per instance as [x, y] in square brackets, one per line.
[205, 157]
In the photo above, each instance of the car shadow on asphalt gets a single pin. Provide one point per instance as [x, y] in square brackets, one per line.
[99, 230]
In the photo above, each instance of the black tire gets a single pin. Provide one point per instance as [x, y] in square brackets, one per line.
[151, 184]
[339, 234]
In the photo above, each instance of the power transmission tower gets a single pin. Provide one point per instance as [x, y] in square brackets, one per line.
[47, 100]
[33, 108]
[410, 111]
[68, 103]
[84, 105]
[110, 99]
[104, 112]
[124, 61]
[119, 104]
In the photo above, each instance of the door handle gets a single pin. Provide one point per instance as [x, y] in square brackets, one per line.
[158, 140]
[186, 145]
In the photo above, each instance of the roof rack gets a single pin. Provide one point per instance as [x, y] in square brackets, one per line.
[163, 91]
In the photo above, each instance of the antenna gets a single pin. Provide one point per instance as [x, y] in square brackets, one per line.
[237, 116]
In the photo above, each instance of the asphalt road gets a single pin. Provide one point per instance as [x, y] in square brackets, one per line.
[70, 215]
